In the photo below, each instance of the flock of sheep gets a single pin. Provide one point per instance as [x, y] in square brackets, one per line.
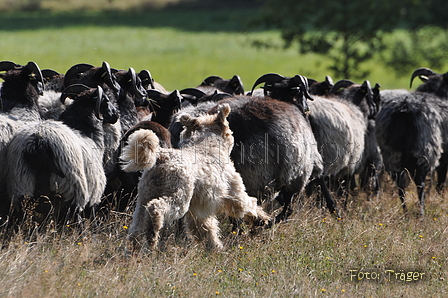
[96, 137]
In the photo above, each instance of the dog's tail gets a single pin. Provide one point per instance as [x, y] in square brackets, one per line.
[141, 151]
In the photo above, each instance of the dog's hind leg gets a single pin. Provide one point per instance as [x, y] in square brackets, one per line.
[204, 228]
[239, 204]
[148, 220]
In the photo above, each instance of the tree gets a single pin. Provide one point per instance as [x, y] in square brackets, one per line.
[349, 32]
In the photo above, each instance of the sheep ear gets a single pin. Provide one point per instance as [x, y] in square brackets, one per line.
[223, 111]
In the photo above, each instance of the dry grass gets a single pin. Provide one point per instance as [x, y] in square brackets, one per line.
[311, 255]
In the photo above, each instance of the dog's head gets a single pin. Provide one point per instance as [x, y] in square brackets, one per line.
[215, 123]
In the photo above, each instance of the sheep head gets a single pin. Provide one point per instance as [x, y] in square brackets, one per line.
[23, 84]
[102, 107]
[293, 90]
[320, 88]
[130, 84]
[92, 76]
[432, 82]
[232, 86]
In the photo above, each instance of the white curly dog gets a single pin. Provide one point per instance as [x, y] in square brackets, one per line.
[197, 181]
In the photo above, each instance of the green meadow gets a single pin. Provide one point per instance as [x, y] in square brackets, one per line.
[372, 250]
[180, 47]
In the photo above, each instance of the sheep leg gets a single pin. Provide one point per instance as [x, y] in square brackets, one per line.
[285, 199]
[420, 182]
[441, 177]
[331, 204]
[401, 182]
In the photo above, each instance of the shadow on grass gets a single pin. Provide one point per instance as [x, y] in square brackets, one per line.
[199, 20]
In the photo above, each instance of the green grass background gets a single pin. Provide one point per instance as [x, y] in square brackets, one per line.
[179, 47]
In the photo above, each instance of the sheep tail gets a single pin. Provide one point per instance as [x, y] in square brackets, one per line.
[39, 156]
[141, 151]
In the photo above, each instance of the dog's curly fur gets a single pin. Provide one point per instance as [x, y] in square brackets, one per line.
[197, 180]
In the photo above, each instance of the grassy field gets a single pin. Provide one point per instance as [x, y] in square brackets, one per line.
[180, 48]
[314, 254]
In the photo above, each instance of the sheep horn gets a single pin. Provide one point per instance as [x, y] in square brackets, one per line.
[422, 71]
[302, 82]
[220, 96]
[340, 84]
[237, 83]
[329, 81]
[137, 91]
[74, 72]
[8, 65]
[194, 92]
[48, 74]
[210, 81]
[367, 88]
[73, 90]
[145, 76]
[33, 68]
[268, 78]
[107, 76]
[99, 99]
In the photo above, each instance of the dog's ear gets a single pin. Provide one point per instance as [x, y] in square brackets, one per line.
[223, 111]
[189, 122]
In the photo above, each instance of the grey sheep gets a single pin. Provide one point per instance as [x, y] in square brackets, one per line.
[412, 132]
[62, 160]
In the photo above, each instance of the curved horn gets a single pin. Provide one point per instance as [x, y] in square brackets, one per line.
[194, 92]
[153, 93]
[108, 78]
[366, 85]
[210, 80]
[146, 78]
[48, 74]
[73, 90]
[33, 68]
[267, 78]
[72, 74]
[236, 82]
[302, 82]
[99, 99]
[329, 81]
[137, 91]
[340, 84]
[422, 71]
[220, 96]
[8, 65]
